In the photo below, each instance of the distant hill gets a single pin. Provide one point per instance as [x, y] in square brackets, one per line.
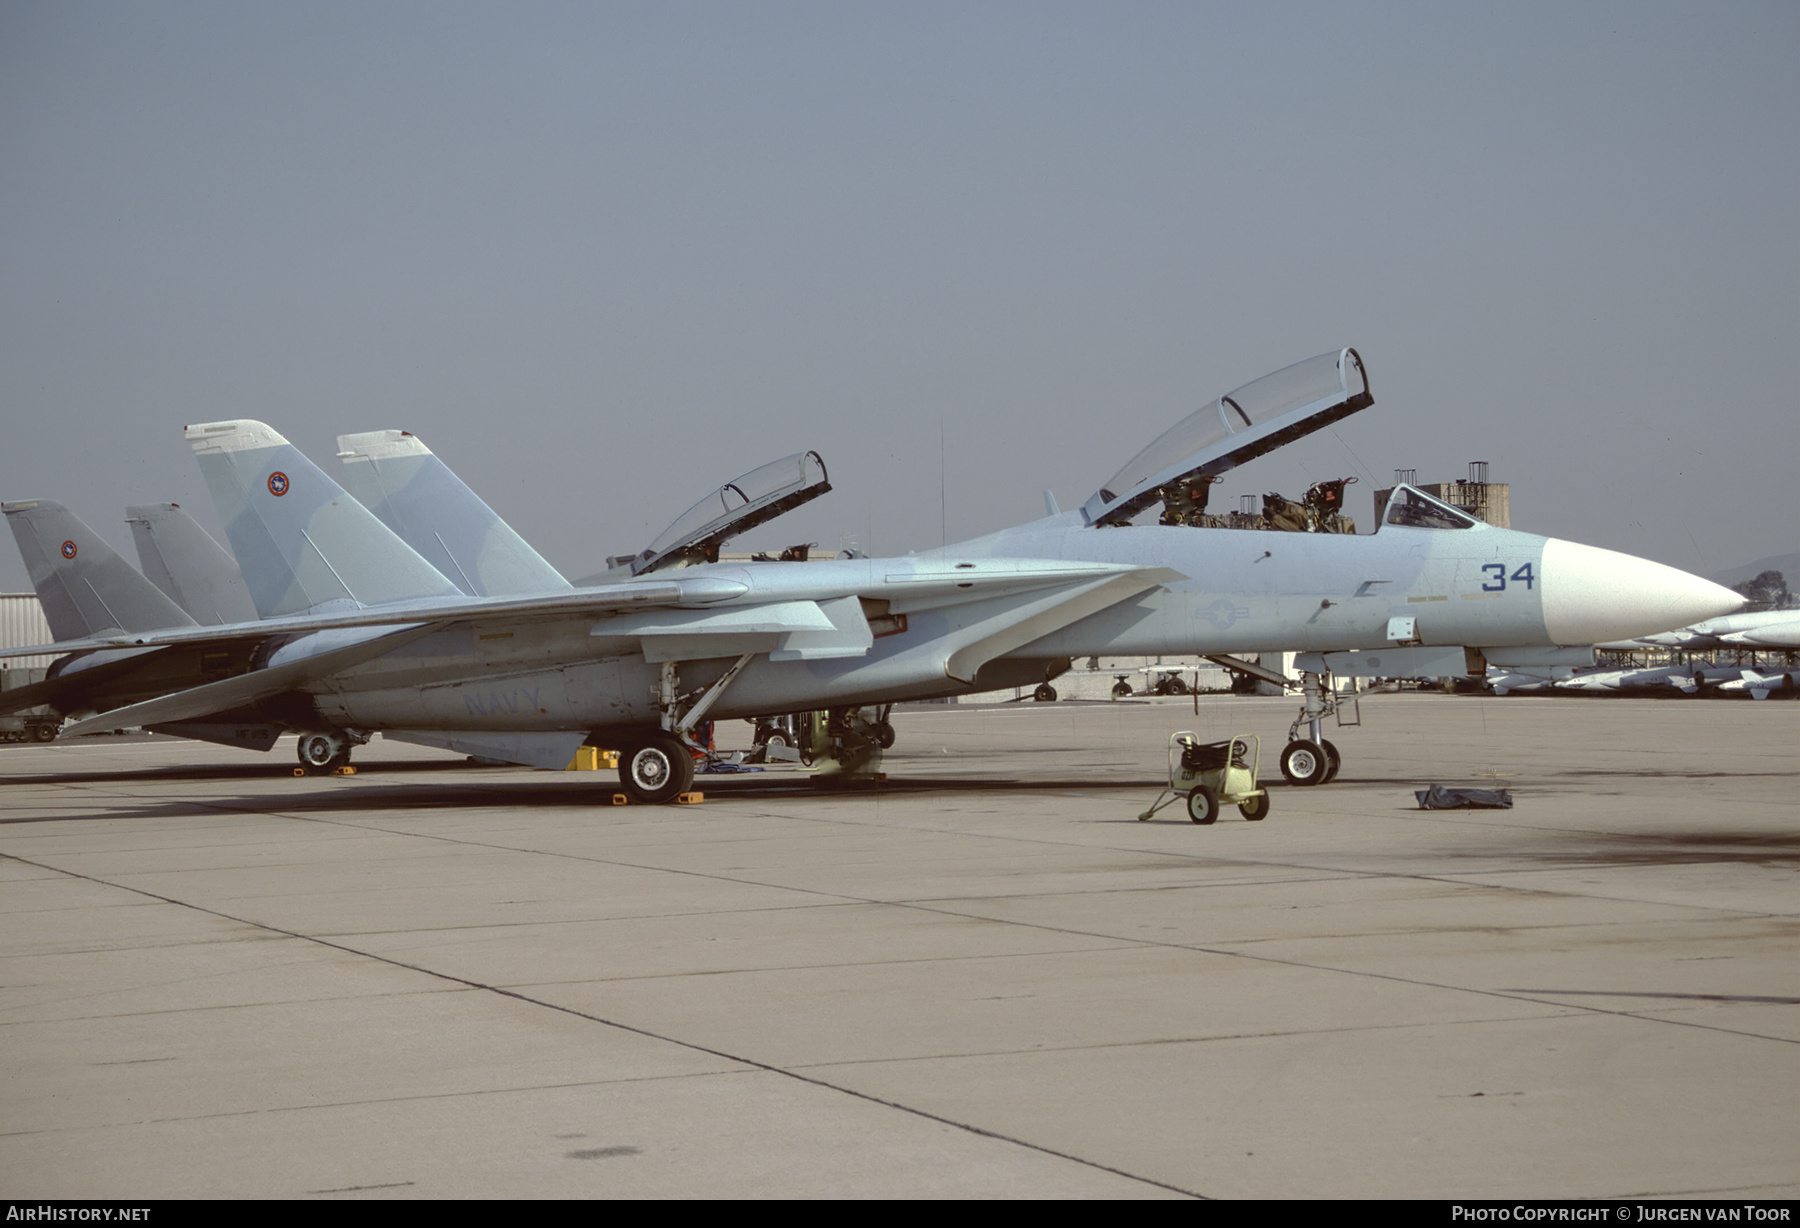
[1787, 564]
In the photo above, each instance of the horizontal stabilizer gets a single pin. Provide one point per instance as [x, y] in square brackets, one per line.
[232, 693]
[577, 603]
[69, 688]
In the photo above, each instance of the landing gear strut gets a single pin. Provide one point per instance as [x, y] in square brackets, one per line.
[1308, 760]
[1311, 760]
[657, 765]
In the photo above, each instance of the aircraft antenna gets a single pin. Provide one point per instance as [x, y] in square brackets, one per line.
[943, 502]
[1367, 472]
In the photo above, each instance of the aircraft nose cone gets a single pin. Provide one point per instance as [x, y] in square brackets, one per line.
[1592, 595]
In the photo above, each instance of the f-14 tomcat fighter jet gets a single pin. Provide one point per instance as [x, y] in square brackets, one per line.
[365, 634]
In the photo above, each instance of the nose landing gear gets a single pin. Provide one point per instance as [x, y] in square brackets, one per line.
[1311, 760]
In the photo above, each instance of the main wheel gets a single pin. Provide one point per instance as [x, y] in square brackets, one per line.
[1045, 693]
[1255, 808]
[656, 770]
[884, 735]
[1333, 762]
[322, 750]
[1203, 804]
[1304, 763]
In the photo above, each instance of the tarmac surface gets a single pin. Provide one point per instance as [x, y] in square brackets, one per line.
[985, 979]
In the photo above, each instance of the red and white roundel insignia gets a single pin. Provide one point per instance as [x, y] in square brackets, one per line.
[68, 550]
[278, 483]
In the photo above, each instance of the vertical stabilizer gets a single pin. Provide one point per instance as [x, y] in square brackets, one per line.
[415, 494]
[300, 541]
[183, 560]
[82, 583]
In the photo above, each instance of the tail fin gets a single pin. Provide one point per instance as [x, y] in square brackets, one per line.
[416, 495]
[183, 560]
[300, 541]
[84, 586]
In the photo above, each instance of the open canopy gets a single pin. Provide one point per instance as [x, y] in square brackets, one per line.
[758, 496]
[1239, 426]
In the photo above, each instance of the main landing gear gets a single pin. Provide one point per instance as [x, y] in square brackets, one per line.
[657, 767]
[329, 750]
[846, 743]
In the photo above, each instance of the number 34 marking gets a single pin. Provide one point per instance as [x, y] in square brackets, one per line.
[1499, 577]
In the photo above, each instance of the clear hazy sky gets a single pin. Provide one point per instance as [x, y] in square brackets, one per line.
[603, 256]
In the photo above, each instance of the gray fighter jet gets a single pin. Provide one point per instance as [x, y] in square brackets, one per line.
[1759, 629]
[90, 593]
[362, 633]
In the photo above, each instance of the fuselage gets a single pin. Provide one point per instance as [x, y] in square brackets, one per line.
[1222, 591]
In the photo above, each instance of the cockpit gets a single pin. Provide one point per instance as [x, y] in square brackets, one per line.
[1415, 509]
[741, 504]
[1238, 427]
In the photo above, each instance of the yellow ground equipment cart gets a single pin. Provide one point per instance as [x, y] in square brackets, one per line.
[1213, 774]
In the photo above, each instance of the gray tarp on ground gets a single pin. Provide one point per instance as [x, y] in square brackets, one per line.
[1437, 797]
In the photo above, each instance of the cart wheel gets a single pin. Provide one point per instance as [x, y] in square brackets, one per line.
[1304, 763]
[1333, 762]
[1255, 809]
[1121, 690]
[1203, 805]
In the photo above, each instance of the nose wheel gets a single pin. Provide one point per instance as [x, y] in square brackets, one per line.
[1305, 762]
[1310, 759]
